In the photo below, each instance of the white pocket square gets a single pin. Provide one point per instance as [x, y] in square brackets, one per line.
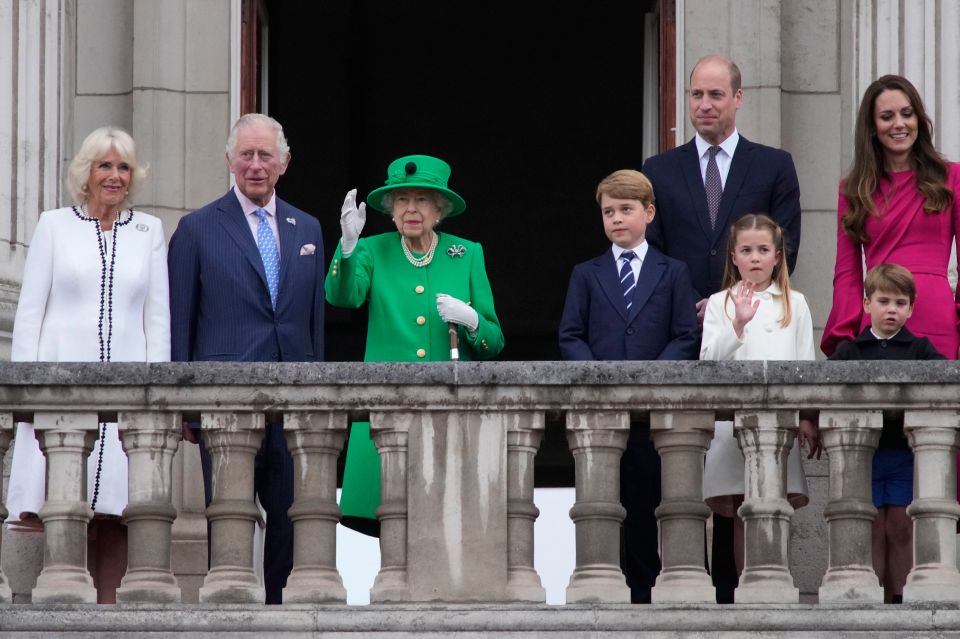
[308, 249]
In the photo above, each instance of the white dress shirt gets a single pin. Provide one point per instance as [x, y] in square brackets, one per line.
[640, 250]
[253, 220]
[724, 155]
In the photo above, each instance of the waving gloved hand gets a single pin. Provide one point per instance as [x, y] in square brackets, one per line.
[351, 222]
[453, 310]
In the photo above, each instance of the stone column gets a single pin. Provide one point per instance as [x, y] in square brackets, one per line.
[597, 440]
[850, 437]
[150, 441]
[765, 438]
[682, 439]
[6, 431]
[66, 439]
[315, 441]
[933, 437]
[233, 440]
[390, 433]
[524, 432]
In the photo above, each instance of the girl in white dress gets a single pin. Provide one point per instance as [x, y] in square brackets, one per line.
[94, 289]
[755, 317]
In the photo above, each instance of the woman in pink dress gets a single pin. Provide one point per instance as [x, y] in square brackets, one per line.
[898, 204]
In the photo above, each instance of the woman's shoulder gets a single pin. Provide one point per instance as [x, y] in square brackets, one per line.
[64, 212]
[139, 217]
[448, 239]
[797, 299]
[953, 173]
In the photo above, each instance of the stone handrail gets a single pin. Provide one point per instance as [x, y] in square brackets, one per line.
[457, 443]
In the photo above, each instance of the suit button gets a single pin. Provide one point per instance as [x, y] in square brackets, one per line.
[421, 353]
[274, 356]
[419, 289]
[421, 320]
[630, 331]
[713, 251]
[883, 343]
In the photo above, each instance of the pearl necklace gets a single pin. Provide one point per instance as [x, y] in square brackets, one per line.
[420, 262]
[106, 311]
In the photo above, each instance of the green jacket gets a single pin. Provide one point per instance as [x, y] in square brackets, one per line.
[404, 325]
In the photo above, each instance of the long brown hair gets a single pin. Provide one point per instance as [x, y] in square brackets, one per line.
[867, 170]
[780, 275]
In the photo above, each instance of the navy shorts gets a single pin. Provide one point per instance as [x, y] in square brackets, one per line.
[892, 477]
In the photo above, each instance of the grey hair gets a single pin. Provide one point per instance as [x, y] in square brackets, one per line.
[442, 201]
[258, 118]
[94, 147]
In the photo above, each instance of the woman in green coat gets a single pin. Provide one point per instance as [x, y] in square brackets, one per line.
[417, 282]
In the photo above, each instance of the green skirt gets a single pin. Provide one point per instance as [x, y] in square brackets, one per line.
[360, 495]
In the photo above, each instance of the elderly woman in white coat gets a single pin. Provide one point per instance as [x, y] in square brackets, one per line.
[94, 289]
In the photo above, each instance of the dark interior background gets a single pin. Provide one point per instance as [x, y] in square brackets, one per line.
[532, 103]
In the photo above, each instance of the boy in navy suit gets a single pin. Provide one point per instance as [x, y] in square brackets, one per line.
[633, 302]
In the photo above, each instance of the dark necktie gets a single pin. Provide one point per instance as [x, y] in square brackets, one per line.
[627, 281]
[713, 186]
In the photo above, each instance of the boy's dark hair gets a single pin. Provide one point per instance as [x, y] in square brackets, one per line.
[626, 184]
[891, 278]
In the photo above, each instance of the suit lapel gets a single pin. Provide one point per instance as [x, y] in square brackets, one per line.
[742, 157]
[650, 273]
[289, 250]
[690, 166]
[605, 270]
[235, 224]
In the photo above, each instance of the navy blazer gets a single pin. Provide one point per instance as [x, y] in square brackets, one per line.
[761, 180]
[219, 301]
[661, 324]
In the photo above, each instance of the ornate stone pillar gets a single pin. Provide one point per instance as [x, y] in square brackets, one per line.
[933, 437]
[524, 432]
[390, 433]
[66, 439]
[765, 438]
[6, 431]
[315, 441]
[597, 440]
[233, 440]
[682, 439]
[150, 441]
[850, 438]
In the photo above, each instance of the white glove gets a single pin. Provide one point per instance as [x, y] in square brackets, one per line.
[453, 310]
[351, 222]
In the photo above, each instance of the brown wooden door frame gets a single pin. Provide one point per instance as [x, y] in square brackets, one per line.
[667, 12]
[253, 15]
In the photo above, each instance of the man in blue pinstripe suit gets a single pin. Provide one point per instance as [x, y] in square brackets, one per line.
[246, 284]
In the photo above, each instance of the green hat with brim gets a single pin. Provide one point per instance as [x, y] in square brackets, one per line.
[417, 171]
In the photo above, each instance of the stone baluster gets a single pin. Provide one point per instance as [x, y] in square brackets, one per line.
[933, 437]
[233, 440]
[597, 440]
[150, 441]
[765, 438]
[6, 431]
[66, 439]
[682, 439]
[390, 434]
[524, 432]
[315, 440]
[850, 438]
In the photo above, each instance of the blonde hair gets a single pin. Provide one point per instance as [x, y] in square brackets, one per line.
[890, 278]
[94, 147]
[780, 275]
[626, 184]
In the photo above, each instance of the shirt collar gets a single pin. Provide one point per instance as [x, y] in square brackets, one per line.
[729, 145]
[250, 207]
[769, 293]
[903, 335]
[640, 250]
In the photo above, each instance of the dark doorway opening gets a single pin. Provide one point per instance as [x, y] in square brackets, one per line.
[530, 103]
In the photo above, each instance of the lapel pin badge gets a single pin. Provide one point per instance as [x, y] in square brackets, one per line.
[142, 227]
[291, 220]
[457, 250]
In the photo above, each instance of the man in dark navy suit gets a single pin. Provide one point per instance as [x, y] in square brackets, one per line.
[246, 285]
[702, 188]
[632, 302]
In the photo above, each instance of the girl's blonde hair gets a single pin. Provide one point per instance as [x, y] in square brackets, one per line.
[731, 275]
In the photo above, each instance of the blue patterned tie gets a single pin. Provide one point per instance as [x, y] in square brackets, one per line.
[268, 253]
[627, 281]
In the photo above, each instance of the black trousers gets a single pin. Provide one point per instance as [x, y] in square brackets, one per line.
[640, 495]
[273, 483]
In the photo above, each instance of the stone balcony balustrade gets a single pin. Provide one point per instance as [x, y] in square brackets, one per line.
[457, 444]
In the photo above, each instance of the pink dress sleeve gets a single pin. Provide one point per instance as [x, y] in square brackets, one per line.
[953, 181]
[846, 314]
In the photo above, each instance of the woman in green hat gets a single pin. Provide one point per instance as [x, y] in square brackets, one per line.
[418, 281]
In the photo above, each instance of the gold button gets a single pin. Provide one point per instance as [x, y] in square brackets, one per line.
[421, 320]
[419, 289]
[421, 353]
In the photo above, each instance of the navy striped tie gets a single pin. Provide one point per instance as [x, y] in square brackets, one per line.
[627, 281]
